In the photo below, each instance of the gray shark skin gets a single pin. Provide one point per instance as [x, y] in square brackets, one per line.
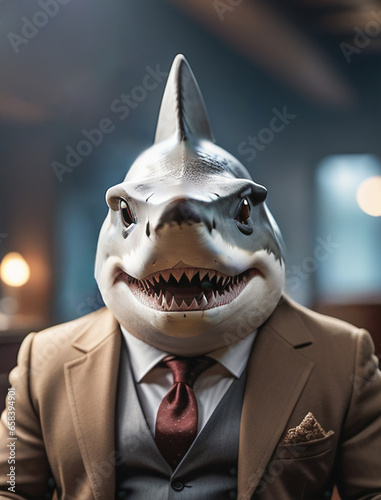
[189, 250]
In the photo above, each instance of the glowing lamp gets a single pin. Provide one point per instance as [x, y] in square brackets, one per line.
[14, 270]
[369, 196]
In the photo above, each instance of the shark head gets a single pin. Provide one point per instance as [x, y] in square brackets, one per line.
[189, 257]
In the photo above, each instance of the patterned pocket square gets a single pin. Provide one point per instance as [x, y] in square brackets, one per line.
[309, 429]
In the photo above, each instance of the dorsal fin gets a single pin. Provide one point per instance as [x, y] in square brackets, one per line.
[182, 111]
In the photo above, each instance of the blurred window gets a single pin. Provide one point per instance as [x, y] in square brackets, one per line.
[349, 213]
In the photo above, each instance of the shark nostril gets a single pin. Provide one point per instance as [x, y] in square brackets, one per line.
[183, 212]
[147, 230]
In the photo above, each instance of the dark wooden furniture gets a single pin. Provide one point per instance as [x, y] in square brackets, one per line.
[9, 345]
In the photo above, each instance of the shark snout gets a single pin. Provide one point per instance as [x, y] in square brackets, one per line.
[183, 211]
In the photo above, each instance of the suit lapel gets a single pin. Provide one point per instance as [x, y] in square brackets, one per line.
[277, 373]
[91, 382]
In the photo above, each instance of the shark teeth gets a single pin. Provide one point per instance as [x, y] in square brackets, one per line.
[177, 273]
[194, 305]
[190, 272]
[187, 289]
[203, 273]
[165, 274]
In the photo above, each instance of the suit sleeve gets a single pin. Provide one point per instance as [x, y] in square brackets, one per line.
[359, 469]
[28, 457]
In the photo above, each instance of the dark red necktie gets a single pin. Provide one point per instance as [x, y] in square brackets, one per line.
[177, 417]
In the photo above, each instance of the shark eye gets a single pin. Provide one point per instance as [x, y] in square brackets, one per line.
[126, 214]
[243, 211]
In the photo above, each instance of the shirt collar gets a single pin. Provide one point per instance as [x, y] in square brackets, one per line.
[234, 357]
[144, 357]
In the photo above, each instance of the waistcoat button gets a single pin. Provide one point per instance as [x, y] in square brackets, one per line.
[177, 486]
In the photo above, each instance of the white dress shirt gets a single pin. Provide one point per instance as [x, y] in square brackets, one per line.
[153, 382]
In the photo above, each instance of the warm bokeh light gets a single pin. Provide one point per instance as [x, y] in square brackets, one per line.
[14, 269]
[369, 196]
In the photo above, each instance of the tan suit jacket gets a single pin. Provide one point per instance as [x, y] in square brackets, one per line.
[66, 382]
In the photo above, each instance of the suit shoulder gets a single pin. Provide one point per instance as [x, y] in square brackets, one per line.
[322, 321]
[331, 341]
[65, 341]
[322, 329]
[71, 328]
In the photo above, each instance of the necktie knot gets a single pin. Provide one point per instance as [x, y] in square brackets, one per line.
[186, 370]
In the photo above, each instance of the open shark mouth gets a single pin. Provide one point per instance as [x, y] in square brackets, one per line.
[187, 289]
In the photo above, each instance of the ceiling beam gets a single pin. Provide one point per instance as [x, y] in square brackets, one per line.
[269, 40]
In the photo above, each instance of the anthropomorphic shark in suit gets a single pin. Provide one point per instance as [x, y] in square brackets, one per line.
[190, 262]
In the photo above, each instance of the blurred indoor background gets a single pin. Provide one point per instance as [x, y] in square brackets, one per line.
[312, 67]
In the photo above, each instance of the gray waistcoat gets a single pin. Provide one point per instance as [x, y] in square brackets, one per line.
[207, 471]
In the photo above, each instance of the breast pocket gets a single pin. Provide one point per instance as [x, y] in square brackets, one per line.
[308, 449]
[301, 468]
